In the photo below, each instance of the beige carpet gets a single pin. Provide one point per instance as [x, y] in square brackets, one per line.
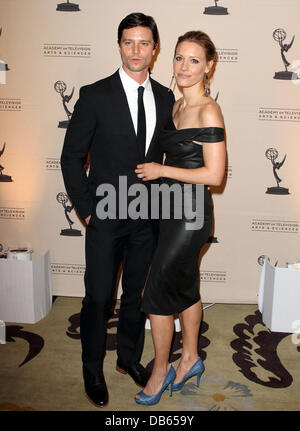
[247, 368]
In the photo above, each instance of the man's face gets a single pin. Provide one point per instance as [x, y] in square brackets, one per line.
[136, 49]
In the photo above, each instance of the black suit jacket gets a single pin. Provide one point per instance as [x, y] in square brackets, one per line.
[101, 125]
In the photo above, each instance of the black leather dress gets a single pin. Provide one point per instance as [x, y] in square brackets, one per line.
[173, 280]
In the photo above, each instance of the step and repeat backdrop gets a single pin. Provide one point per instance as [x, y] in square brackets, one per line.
[49, 49]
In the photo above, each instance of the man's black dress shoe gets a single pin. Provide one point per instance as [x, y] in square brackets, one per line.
[136, 371]
[97, 391]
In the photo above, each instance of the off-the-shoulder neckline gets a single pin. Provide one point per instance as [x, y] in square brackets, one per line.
[197, 128]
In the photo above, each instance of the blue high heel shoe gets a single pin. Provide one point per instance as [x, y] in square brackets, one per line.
[150, 400]
[196, 370]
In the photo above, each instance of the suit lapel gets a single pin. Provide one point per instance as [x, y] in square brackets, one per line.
[120, 102]
[158, 105]
[125, 123]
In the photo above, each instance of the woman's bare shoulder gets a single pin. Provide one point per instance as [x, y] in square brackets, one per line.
[210, 115]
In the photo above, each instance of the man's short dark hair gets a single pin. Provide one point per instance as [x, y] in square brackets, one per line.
[138, 19]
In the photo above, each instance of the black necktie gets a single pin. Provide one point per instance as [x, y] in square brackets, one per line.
[141, 125]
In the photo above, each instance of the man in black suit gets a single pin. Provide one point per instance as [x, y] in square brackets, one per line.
[117, 121]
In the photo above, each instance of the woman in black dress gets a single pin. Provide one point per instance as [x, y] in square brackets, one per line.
[195, 154]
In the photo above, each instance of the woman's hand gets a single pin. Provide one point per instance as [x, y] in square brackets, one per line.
[149, 171]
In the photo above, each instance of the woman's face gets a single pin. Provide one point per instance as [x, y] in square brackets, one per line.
[189, 64]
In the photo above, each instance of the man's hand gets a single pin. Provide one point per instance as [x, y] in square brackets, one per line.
[149, 171]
